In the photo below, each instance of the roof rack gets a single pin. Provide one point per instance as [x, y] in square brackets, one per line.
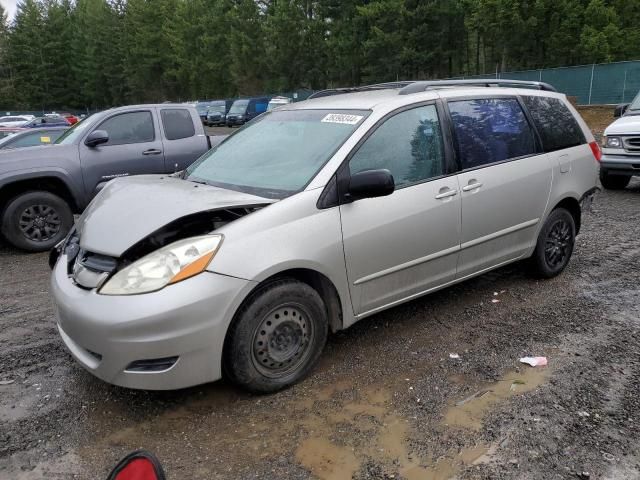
[364, 88]
[421, 86]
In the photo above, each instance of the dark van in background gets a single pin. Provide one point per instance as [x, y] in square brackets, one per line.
[246, 109]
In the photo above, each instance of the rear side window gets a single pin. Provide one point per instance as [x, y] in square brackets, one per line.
[408, 144]
[556, 124]
[177, 123]
[490, 130]
[132, 127]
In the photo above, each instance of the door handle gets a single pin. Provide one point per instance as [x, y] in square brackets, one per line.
[152, 151]
[446, 193]
[471, 186]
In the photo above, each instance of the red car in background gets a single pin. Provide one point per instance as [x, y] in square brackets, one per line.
[72, 119]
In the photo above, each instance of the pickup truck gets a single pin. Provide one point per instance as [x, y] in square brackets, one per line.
[42, 187]
[621, 147]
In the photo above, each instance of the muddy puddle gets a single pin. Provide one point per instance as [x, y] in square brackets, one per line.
[336, 432]
[328, 456]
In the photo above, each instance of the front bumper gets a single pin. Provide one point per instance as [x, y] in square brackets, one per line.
[188, 320]
[620, 164]
[235, 121]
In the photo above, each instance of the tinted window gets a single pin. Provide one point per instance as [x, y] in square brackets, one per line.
[556, 125]
[409, 145]
[36, 138]
[490, 130]
[134, 127]
[177, 123]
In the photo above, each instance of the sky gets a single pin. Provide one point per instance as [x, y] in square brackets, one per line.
[10, 7]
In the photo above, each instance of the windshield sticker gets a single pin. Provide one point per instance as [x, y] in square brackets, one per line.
[342, 118]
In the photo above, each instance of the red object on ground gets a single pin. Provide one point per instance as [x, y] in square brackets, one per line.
[138, 465]
[138, 469]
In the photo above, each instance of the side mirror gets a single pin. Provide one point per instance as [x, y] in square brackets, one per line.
[370, 184]
[97, 137]
[620, 110]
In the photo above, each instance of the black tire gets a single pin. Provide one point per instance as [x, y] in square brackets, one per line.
[555, 244]
[276, 337]
[614, 182]
[36, 221]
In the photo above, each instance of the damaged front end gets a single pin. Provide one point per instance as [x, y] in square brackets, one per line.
[90, 270]
[117, 230]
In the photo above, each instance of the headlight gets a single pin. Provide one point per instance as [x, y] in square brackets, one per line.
[612, 142]
[170, 264]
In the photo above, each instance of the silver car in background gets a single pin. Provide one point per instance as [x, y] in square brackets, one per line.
[313, 217]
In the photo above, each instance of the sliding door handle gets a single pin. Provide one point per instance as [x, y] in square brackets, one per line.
[471, 186]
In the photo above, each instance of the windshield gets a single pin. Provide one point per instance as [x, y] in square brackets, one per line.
[76, 131]
[202, 107]
[635, 105]
[239, 106]
[216, 109]
[277, 154]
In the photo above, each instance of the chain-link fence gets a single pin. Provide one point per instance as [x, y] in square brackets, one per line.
[597, 84]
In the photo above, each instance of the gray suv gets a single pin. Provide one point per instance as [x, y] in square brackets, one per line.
[315, 216]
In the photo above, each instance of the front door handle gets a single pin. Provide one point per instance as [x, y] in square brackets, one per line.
[471, 186]
[152, 151]
[447, 193]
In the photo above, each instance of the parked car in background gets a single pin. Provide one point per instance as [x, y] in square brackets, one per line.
[278, 101]
[47, 121]
[6, 131]
[31, 137]
[41, 188]
[621, 147]
[313, 217]
[217, 112]
[246, 109]
[13, 121]
[72, 119]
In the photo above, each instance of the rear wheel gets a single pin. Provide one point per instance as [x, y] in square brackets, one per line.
[36, 221]
[614, 182]
[277, 337]
[555, 244]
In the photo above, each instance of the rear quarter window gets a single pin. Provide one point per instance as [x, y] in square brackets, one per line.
[177, 123]
[555, 123]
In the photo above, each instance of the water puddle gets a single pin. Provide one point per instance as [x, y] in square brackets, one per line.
[469, 412]
[330, 452]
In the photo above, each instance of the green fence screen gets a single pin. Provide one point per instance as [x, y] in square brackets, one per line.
[598, 84]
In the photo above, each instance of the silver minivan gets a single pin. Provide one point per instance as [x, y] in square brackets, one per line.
[313, 217]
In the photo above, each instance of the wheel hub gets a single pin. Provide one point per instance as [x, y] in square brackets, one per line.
[281, 341]
[557, 243]
[39, 223]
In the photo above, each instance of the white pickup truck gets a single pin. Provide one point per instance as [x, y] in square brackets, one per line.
[621, 147]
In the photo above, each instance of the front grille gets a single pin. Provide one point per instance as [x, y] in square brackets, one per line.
[90, 270]
[631, 144]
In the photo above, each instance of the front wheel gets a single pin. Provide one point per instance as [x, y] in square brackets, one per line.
[555, 244]
[36, 221]
[276, 337]
[614, 182]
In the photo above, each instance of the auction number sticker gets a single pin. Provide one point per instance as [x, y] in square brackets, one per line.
[342, 118]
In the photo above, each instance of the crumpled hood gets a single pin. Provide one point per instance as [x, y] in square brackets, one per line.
[629, 124]
[129, 209]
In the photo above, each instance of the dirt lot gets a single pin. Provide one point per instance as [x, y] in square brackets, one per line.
[387, 400]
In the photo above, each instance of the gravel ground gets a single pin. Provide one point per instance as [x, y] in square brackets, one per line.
[387, 400]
